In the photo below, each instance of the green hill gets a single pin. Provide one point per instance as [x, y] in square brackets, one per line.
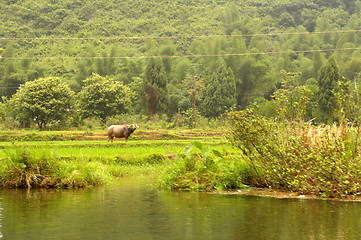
[247, 42]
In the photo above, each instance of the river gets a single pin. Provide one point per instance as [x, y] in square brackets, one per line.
[133, 209]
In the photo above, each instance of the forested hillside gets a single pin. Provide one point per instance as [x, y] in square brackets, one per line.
[191, 56]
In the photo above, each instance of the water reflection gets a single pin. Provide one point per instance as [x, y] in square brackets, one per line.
[134, 210]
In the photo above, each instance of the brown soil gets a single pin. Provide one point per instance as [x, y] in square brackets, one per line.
[141, 135]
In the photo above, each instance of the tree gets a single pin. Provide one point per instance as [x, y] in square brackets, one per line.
[103, 97]
[10, 76]
[44, 100]
[292, 99]
[220, 92]
[194, 85]
[155, 87]
[328, 79]
[347, 101]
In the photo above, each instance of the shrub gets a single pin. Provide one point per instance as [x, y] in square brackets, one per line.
[203, 169]
[323, 160]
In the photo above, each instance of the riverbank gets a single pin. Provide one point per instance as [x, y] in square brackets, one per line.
[278, 194]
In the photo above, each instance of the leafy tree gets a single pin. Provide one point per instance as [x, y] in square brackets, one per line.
[328, 79]
[292, 99]
[231, 19]
[286, 20]
[44, 100]
[155, 87]
[220, 92]
[103, 97]
[308, 19]
[348, 109]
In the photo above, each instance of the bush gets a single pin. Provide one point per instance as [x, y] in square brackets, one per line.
[202, 171]
[324, 160]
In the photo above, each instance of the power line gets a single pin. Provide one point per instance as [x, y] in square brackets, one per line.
[175, 37]
[187, 56]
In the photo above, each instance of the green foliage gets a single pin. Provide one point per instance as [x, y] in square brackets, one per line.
[194, 86]
[220, 92]
[347, 100]
[203, 169]
[155, 87]
[44, 100]
[328, 79]
[292, 99]
[103, 97]
[120, 41]
[264, 107]
[324, 161]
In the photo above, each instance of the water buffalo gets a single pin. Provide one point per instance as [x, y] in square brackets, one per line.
[121, 131]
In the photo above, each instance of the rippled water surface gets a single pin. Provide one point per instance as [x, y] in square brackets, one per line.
[132, 209]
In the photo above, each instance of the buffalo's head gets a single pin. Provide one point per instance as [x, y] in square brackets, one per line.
[133, 126]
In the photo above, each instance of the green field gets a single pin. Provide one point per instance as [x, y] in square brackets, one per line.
[32, 159]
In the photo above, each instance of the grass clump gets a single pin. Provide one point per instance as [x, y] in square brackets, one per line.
[325, 161]
[23, 168]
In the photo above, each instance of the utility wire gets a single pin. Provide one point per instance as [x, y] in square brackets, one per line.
[187, 56]
[175, 37]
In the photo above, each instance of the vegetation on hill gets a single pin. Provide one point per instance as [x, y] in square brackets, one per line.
[242, 52]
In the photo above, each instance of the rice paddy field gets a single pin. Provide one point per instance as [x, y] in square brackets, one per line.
[78, 158]
[76, 144]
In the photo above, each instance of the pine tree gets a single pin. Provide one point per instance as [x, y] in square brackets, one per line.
[220, 92]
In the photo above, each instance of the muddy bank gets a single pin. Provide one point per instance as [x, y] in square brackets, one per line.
[264, 192]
